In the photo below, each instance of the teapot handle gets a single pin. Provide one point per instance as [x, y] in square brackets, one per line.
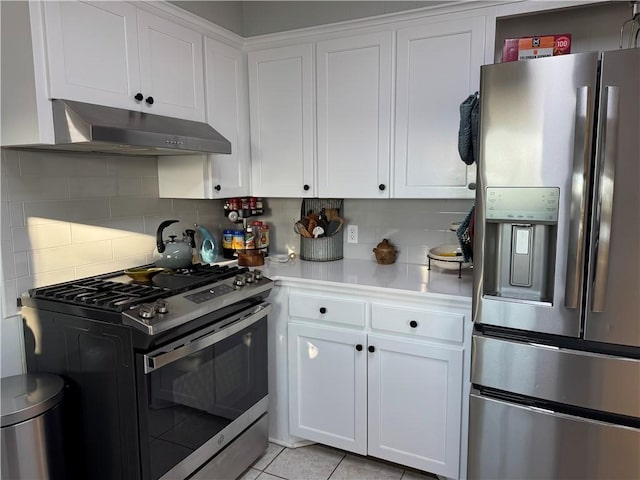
[161, 227]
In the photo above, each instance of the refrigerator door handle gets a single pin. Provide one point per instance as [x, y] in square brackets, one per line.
[607, 151]
[576, 245]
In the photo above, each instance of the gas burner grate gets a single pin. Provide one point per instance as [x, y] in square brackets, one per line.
[103, 294]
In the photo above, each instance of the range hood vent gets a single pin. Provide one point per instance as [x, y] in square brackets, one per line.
[93, 128]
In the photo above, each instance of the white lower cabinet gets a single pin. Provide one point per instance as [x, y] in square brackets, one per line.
[414, 403]
[328, 386]
[395, 395]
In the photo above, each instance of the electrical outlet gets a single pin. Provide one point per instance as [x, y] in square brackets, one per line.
[352, 233]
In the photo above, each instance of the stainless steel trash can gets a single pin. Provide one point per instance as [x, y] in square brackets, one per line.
[32, 436]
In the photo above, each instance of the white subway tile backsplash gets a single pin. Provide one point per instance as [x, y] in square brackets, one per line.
[129, 206]
[10, 163]
[133, 245]
[12, 350]
[36, 237]
[8, 263]
[67, 210]
[129, 187]
[50, 259]
[15, 214]
[24, 189]
[21, 262]
[132, 166]
[150, 187]
[5, 222]
[106, 229]
[62, 164]
[93, 187]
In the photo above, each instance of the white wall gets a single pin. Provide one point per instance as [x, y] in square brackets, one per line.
[256, 18]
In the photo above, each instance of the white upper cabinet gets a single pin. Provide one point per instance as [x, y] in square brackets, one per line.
[93, 52]
[354, 76]
[114, 54]
[219, 175]
[438, 66]
[281, 100]
[171, 68]
[228, 112]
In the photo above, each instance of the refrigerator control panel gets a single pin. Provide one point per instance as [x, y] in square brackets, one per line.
[522, 204]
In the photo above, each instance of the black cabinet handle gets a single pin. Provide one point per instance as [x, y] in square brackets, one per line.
[359, 347]
[149, 100]
[371, 348]
[217, 188]
[323, 310]
[139, 97]
[413, 324]
[306, 187]
[382, 186]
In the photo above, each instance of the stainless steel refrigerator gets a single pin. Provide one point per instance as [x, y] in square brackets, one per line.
[556, 304]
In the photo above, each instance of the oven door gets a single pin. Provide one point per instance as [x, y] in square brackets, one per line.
[200, 392]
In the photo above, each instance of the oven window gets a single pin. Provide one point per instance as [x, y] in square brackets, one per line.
[192, 399]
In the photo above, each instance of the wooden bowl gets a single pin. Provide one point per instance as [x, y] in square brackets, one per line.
[143, 274]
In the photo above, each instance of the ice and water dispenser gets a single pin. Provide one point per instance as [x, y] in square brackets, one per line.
[520, 242]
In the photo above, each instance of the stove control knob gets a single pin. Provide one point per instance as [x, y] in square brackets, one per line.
[147, 311]
[239, 281]
[257, 275]
[248, 277]
[162, 306]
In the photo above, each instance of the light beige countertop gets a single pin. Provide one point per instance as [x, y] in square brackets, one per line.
[404, 277]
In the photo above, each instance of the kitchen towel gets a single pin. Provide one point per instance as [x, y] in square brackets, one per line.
[468, 131]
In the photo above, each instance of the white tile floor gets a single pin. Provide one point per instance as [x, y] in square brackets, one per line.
[318, 462]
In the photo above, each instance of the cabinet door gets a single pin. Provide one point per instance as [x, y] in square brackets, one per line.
[438, 67]
[415, 404]
[171, 68]
[328, 386]
[281, 100]
[93, 52]
[354, 116]
[227, 112]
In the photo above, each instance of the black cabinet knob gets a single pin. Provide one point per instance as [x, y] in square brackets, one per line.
[371, 348]
[359, 347]
[413, 324]
[382, 186]
[323, 310]
[149, 100]
[306, 187]
[471, 186]
[139, 97]
[217, 188]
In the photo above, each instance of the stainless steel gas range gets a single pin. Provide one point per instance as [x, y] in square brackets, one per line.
[164, 379]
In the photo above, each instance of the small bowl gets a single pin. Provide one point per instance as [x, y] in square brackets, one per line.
[448, 257]
[143, 274]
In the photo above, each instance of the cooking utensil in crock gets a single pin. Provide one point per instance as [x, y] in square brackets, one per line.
[300, 229]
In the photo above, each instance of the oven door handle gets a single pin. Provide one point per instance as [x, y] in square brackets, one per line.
[164, 356]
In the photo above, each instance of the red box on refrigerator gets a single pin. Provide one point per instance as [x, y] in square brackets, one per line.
[535, 47]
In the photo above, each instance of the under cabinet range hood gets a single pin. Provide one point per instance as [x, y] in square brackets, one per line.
[94, 128]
